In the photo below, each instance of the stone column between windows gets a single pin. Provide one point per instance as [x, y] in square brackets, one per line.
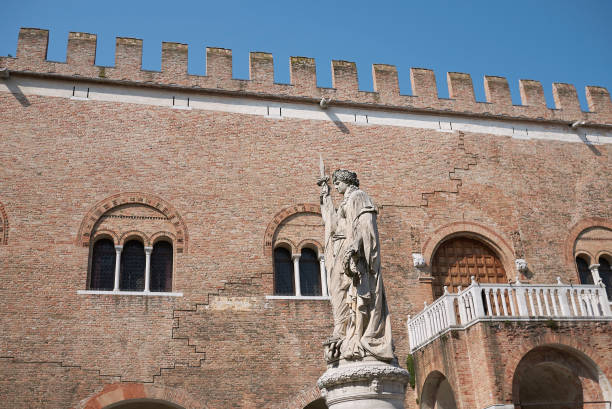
[595, 273]
[148, 251]
[323, 276]
[118, 250]
[296, 274]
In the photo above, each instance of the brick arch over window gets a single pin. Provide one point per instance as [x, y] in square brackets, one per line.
[87, 225]
[280, 217]
[4, 226]
[311, 244]
[123, 392]
[134, 235]
[106, 234]
[495, 241]
[575, 232]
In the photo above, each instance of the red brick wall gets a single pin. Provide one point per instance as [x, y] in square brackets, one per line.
[226, 176]
[480, 362]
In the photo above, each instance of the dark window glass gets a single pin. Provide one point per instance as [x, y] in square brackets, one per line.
[583, 271]
[161, 267]
[310, 275]
[103, 265]
[283, 272]
[132, 266]
[606, 275]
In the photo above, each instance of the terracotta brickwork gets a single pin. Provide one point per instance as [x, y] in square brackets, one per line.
[481, 362]
[225, 186]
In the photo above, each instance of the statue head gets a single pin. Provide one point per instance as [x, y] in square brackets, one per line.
[346, 176]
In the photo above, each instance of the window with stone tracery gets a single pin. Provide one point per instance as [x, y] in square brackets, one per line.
[297, 255]
[132, 250]
[593, 254]
[299, 274]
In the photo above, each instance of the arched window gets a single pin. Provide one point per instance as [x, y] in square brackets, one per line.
[161, 267]
[606, 275]
[102, 265]
[583, 271]
[283, 272]
[457, 259]
[132, 266]
[310, 273]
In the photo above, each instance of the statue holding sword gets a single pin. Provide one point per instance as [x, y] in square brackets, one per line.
[362, 325]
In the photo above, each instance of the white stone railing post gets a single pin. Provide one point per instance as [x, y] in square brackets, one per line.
[296, 274]
[603, 300]
[449, 306]
[461, 302]
[475, 290]
[324, 290]
[147, 284]
[562, 293]
[118, 250]
[521, 300]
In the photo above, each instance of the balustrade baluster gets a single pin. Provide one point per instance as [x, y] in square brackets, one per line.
[503, 292]
[496, 302]
[572, 293]
[554, 297]
[581, 303]
[486, 292]
[539, 301]
[531, 302]
[545, 295]
[511, 295]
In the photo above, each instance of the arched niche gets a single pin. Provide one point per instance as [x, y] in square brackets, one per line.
[494, 240]
[437, 392]
[558, 376]
[144, 404]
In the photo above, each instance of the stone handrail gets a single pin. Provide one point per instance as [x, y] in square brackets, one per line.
[507, 302]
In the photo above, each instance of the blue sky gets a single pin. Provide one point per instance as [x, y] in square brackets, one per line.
[549, 41]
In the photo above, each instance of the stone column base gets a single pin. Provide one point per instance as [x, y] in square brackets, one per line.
[364, 385]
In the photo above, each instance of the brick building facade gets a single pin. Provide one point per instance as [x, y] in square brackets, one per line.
[116, 180]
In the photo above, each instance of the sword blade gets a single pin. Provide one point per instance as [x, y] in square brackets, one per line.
[321, 166]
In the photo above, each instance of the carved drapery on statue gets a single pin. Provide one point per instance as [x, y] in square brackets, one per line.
[362, 324]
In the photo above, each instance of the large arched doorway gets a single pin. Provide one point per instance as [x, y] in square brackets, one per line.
[437, 393]
[459, 258]
[558, 377]
[143, 404]
[317, 404]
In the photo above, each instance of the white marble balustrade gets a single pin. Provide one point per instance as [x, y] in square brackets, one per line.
[507, 302]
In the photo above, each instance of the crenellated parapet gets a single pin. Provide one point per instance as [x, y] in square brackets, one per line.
[80, 63]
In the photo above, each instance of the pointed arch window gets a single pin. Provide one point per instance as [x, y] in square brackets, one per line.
[102, 265]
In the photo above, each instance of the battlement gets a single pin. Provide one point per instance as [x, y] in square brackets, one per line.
[81, 53]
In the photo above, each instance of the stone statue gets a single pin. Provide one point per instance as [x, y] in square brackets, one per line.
[362, 324]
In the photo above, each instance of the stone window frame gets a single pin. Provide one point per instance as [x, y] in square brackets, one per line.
[119, 241]
[296, 252]
[592, 258]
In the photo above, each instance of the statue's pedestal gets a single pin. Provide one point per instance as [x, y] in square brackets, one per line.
[364, 384]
